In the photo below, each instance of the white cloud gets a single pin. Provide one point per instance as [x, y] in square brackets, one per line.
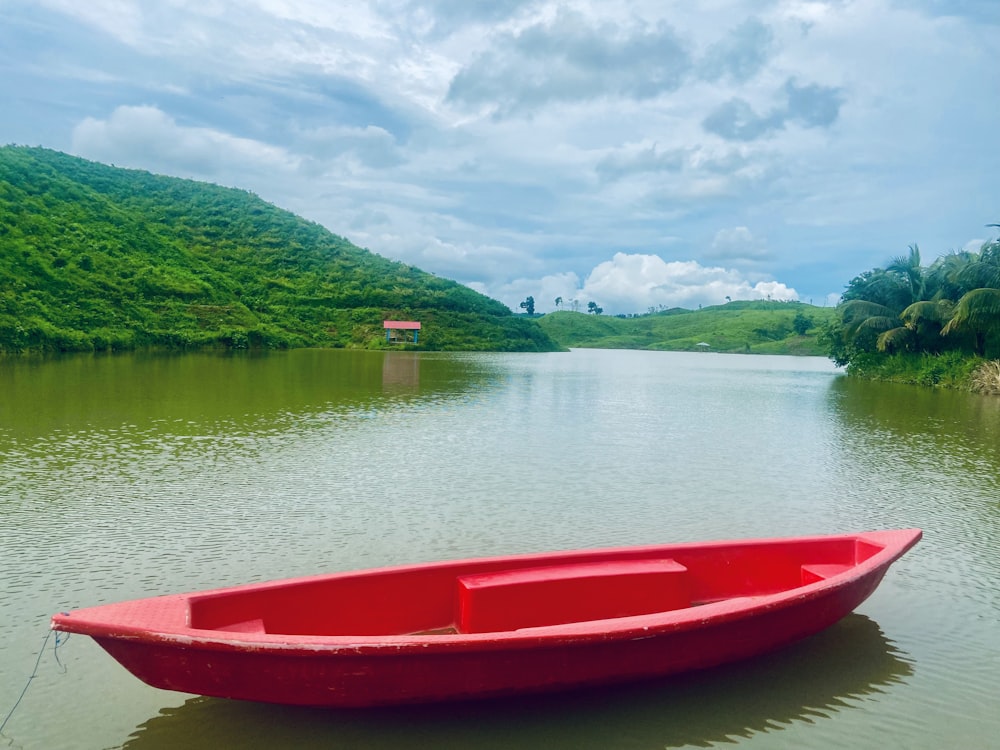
[741, 55]
[632, 160]
[572, 58]
[370, 146]
[144, 136]
[738, 246]
[121, 19]
[632, 283]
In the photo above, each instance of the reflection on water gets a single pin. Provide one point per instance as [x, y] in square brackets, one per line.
[400, 370]
[829, 673]
[931, 455]
[130, 476]
[247, 391]
[921, 457]
[957, 425]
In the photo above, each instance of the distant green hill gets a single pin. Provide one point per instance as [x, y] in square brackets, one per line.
[758, 327]
[98, 258]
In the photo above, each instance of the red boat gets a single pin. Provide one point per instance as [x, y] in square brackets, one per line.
[493, 626]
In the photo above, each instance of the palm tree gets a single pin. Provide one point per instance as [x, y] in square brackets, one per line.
[908, 266]
[953, 304]
[889, 310]
[977, 312]
[983, 268]
[870, 311]
[945, 275]
[866, 324]
[923, 322]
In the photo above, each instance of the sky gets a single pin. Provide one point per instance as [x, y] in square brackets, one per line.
[640, 155]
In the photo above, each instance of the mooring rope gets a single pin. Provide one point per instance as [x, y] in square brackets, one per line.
[59, 641]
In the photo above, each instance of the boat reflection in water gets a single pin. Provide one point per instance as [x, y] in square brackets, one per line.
[828, 673]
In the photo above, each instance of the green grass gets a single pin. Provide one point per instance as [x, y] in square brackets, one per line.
[947, 370]
[757, 327]
[98, 258]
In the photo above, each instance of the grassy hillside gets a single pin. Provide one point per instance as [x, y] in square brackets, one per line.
[98, 258]
[759, 327]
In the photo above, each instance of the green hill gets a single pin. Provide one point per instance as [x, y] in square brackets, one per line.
[759, 327]
[98, 258]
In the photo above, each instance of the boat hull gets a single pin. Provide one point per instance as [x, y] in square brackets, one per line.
[242, 660]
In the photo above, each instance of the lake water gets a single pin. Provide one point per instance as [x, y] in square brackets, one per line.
[133, 475]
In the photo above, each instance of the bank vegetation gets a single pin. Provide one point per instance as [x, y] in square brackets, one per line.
[936, 325]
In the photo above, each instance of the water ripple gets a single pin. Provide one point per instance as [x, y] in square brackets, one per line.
[288, 466]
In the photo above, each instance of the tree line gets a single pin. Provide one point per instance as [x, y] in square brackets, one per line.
[906, 308]
[528, 305]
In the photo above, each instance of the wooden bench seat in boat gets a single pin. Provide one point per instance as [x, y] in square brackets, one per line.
[559, 594]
